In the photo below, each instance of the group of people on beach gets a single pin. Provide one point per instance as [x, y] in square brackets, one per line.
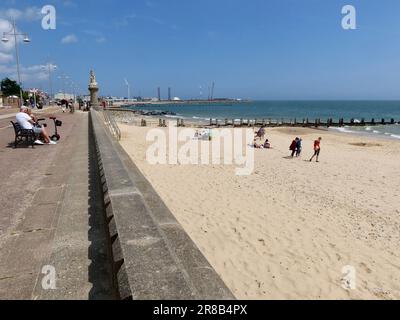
[260, 134]
[296, 148]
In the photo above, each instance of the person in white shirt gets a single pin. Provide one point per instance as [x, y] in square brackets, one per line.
[27, 122]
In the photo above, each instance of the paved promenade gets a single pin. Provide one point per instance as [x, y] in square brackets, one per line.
[82, 215]
[4, 111]
[51, 214]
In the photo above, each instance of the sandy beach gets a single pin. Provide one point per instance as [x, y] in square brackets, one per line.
[288, 230]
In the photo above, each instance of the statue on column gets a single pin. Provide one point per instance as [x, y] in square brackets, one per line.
[92, 77]
[93, 89]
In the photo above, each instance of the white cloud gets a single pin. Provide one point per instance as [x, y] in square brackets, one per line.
[5, 57]
[98, 36]
[35, 73]
[150, 4]
[69, 4]
[156, 20]
[7, 70]
[101, 39]
[126, 20]
[71, 38]
[33, 14]
[6, 27]
[27, 14]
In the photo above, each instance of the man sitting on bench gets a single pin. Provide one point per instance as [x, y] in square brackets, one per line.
[26, 122]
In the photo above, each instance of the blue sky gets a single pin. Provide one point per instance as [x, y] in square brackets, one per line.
[259, 49]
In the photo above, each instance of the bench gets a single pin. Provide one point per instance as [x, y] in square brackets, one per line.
[23, 135]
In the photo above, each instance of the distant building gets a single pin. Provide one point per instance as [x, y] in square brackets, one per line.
[12, 102]
[118, 100]
[64, 96]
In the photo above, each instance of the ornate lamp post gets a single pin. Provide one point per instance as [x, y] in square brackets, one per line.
[13, 33]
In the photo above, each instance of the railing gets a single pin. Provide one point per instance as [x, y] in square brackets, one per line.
[112, 124]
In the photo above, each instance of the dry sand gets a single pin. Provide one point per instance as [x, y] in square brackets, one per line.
[287, 230]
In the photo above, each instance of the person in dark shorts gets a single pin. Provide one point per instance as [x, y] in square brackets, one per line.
[317, 149]
[293, 147]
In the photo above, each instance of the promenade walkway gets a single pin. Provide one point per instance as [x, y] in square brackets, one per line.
[51, 214]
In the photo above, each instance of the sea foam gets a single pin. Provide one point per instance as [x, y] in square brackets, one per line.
[345, 130]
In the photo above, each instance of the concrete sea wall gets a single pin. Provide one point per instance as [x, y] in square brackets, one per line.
[153, 257]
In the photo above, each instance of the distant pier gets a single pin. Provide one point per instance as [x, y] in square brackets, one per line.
[163, 103]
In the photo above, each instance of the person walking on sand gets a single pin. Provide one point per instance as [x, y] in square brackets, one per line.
[317, 149]
[293, 147]
[260, 133]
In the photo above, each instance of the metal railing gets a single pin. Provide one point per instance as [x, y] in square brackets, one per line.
[112, 124]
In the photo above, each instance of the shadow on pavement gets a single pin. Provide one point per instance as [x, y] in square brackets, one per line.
[100, 270]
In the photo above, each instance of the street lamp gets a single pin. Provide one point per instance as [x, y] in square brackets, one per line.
[64, 79]
[13, 33]
[72, 86]
[76, 87]
[50, 68]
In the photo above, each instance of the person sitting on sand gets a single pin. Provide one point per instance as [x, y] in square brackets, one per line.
[293, 147]
[28, 123]
[257, 146]
[299, 147]
[266, 145]
[317, 149]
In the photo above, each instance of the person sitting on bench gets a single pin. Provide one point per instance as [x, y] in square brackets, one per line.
[28, 123]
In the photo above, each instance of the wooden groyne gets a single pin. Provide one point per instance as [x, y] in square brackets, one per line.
[266, 122]
[300, 123]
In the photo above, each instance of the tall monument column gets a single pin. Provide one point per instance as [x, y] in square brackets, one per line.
[93, 89]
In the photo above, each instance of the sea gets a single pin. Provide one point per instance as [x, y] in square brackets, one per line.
[290, 110]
